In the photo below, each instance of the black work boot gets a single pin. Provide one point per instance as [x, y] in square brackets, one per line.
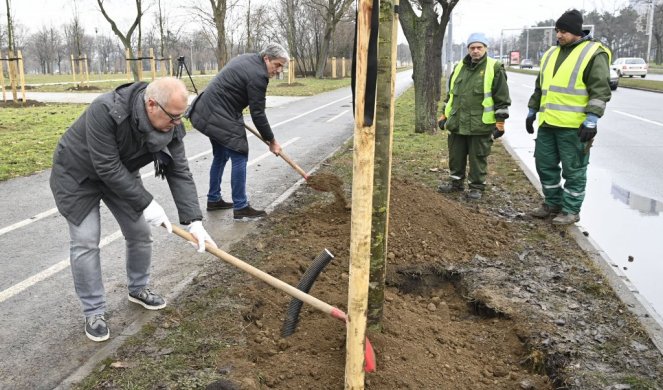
[451, 186]
[248, 213]
[474, 194]
[219, 205]
[545, 211]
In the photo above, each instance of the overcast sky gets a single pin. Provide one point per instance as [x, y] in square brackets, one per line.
[489, 16]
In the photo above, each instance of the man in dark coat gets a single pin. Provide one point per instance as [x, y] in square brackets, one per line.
[217, 113]
[98, 158]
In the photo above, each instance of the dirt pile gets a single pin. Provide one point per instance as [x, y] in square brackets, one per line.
[478, 297]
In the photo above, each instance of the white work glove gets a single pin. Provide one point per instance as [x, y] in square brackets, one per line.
[155, 216]
[198, 231]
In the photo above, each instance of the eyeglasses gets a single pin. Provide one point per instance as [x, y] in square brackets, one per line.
[173, 118]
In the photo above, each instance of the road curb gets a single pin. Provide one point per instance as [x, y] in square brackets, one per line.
[619, 282]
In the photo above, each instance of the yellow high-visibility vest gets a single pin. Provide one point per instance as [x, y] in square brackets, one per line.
[488, 116]
[564, 95]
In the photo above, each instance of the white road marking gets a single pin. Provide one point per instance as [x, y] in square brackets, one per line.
[639, 117]
[55, 268]
[337, 116]
[52, 270]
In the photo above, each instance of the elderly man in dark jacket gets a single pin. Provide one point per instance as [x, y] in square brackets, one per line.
[217, 113]
[98, 158]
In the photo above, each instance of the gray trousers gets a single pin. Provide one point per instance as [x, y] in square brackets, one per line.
[86, 262]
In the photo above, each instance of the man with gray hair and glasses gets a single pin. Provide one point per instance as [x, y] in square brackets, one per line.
[217, 113]
[98, 159]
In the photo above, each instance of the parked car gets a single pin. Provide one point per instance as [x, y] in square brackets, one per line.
[526, 64]
[630, 66]
[614, 79]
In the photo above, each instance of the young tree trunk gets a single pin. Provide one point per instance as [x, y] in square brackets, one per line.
[384, 128]
[10, 28]
[425, 36]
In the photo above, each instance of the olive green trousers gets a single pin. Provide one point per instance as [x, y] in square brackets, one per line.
[472, 148]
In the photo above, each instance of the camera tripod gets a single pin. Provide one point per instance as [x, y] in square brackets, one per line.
[181, 65]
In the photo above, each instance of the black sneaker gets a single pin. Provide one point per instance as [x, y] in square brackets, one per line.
[451, 186]
[147, 299]
[219, 205]
[248, 213]
[96, 328]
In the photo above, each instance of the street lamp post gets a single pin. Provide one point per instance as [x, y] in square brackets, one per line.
[650, 26]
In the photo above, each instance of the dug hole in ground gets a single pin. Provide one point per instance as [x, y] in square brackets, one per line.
[479, 296]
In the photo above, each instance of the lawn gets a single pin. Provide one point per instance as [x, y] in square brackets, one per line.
[28, 134]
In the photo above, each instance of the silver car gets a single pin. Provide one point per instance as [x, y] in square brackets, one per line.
[630, 66]
[614, 79]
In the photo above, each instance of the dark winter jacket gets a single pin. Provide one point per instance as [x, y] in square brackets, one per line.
[103, 151]
[217, 112]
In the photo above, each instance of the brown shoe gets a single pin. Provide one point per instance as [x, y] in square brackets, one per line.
[219, 205]
[248, 213]
[545, 211]
[566, 219]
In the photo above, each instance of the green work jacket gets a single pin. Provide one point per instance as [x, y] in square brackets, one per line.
[466, 114]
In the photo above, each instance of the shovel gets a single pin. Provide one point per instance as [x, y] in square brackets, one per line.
[282, 154]
[369, 353]
[322, 182]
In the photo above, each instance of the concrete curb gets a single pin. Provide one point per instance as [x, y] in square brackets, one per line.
[619, 282]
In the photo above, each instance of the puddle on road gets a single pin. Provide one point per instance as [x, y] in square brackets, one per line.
[628, 227]
[626, 224]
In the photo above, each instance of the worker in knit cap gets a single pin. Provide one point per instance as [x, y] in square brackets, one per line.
[474, 120]
[570, 96]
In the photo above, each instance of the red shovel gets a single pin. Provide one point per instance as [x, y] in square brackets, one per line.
[369, 353]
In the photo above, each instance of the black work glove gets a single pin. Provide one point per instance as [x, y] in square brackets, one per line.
[498, 131]
[441, 122]
[588, 129]
[586, 133]
[529, 121]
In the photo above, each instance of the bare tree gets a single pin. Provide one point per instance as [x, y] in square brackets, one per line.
[214, 26]
[425, 34]
[259, 34]
[125, 38]
[45, 44]
[331, 12]
[10, 29]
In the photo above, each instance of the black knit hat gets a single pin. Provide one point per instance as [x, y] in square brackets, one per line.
[570, 21]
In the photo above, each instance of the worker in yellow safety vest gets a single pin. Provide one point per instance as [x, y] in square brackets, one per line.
[571, 93]
[474, 113]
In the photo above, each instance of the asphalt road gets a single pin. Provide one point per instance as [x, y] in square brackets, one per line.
[41, 326]
[623, 208]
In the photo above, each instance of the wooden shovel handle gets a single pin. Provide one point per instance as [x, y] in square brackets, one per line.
[265, 277]
[369, 353]
[282, 154]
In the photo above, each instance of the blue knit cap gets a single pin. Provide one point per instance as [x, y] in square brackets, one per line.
[477, 37]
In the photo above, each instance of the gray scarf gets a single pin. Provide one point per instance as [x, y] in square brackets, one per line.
[155, 140]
